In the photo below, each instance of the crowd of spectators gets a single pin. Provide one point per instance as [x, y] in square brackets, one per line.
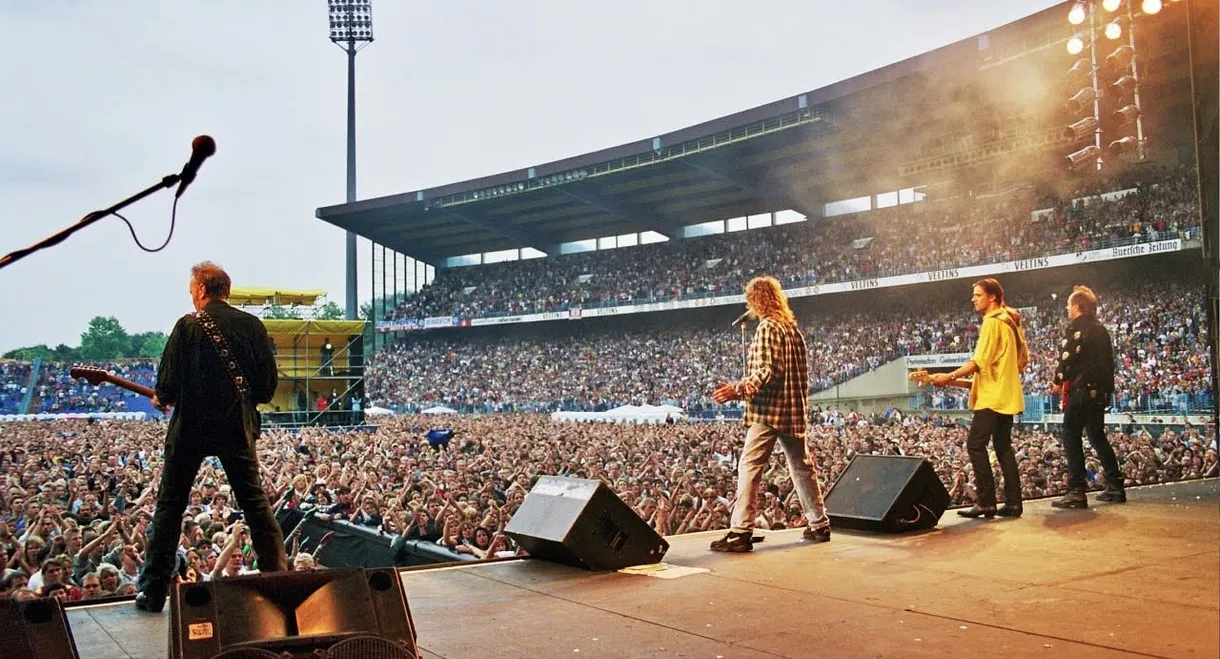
[1159, 330]
[55, 392]
[930, 235]
[14, 385]
[77, 496]
[58, 393]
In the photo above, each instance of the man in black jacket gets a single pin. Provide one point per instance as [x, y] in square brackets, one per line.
[208, 420]
[1085, 375]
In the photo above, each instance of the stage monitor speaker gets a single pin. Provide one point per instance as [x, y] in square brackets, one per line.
[336, 614]
[887, 493]
[582, 523]
[35, 629]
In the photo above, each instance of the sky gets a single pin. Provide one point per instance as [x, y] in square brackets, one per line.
[101, 100]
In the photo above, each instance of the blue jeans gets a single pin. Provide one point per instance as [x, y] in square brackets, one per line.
[760, 440]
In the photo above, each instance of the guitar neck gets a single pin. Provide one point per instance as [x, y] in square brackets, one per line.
[131, 386]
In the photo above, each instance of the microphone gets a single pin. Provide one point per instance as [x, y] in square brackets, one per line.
[742, 318]
[202, 148]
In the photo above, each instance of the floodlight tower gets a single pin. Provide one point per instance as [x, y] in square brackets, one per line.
[351, 28]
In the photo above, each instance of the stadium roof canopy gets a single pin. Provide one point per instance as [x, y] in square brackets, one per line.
[848, 139]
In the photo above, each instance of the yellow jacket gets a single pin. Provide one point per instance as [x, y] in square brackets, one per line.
[1001, 354]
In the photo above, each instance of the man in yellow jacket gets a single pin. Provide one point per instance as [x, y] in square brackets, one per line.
[995, 396]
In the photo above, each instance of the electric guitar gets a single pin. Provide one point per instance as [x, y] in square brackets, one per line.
[95, 376]
[923, 377]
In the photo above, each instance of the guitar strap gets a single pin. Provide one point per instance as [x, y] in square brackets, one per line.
[226, 355]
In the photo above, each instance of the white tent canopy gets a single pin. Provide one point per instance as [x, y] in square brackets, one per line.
[439, 409]
[625, 414]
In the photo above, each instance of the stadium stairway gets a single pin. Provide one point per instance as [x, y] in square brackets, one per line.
[24, 406]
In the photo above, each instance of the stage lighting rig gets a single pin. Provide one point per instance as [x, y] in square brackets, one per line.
[1105, 87]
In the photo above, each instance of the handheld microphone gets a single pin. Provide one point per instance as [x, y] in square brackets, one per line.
[202, 148]
[742, 318]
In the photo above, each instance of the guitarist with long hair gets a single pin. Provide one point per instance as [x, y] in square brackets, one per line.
[217, 366]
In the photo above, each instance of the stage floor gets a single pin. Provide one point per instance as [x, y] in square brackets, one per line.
[1134, 580]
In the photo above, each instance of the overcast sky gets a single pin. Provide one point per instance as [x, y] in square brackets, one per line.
[102, 98]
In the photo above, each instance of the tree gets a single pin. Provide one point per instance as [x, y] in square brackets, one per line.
[330, 311]
[104, 339]
[148, 344]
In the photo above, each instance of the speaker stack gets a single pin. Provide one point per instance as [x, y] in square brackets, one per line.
[331, 614]
[888, 494]
[581, 523]
[35, 629]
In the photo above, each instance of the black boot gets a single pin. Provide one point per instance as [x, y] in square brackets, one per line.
[1010, 510]
[1073, 499]
[1113, 495]
[978, 511]
[150, 601]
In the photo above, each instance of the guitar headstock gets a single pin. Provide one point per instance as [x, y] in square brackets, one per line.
[920, 375]
[90, 374]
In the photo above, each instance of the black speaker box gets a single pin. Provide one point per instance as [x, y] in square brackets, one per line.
[582, 523]
[35, 629]
[887, 493]
[339, 614]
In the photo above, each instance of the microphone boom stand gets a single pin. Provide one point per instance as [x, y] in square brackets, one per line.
[7, 260]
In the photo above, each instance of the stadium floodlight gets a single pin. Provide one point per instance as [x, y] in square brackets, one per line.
[351, 28]
[1075, 45]
[1111, 5]
[1081, 128]
[351, 20]
[1126, 114]
[1123, 145]
[1090, 152]
[1082, 99]
[1113, 30]
[1078, 13]
[1150, 6]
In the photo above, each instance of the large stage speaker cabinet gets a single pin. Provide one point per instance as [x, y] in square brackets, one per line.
[887, 493]
[337, 614]
[582, 523]
[35, 629]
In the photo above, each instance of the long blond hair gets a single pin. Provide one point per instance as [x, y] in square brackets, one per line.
[765, 297]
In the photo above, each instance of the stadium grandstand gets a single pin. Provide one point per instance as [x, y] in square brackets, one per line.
[607, 279]
[605, 284]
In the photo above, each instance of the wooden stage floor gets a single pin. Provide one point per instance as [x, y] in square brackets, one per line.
[1134, 580]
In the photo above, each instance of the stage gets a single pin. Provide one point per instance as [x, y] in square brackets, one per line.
[1134, 580]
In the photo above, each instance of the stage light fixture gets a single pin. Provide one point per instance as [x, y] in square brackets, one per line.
[1123, 145]
[1081, 128]
[1077, 15]
[1084, 155]
[1113, 30]
[1075, 45]
[1151, 6]
[1111, 5]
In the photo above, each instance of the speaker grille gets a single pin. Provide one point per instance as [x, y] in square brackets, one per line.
[367, 647]
[247, 653]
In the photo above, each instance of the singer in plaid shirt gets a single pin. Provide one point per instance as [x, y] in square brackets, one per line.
[776, 391]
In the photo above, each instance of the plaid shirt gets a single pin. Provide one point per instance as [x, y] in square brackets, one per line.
[776, 386]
